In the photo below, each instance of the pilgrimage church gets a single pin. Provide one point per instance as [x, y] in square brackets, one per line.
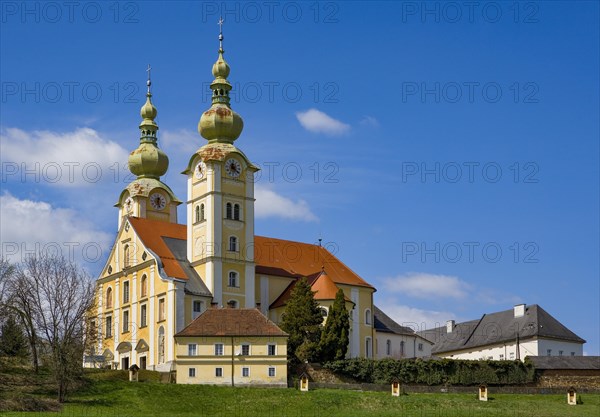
[162, 274]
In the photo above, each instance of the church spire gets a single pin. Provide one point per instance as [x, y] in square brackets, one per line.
[220, 123]
[148, 161]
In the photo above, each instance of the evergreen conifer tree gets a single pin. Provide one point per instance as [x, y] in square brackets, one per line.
[335, 337]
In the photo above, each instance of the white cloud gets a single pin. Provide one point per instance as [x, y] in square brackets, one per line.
[271, 204]
[316, 121]
[182, 141]
[78, 158]
[415, 318]
[29, 226]
[369, 121]
[428, 286]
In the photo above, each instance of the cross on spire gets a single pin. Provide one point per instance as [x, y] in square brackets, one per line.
[220, 23]
[148, 83]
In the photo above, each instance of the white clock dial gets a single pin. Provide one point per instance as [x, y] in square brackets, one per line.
[128, 204]
[233, 168]
[158, 201]
[200, 170]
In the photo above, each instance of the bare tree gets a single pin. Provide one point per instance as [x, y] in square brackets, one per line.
[59, 296]
[19, 299]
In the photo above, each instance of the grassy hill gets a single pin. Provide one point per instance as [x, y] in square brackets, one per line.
[109, 394]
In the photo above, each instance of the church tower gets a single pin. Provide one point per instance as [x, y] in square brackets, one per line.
[147, 196]
[220, 206]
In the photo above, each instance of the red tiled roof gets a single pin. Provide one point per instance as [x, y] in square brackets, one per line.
[151, 232]
[323, 287]
[272, 256]
[301, 259]
[231, 322]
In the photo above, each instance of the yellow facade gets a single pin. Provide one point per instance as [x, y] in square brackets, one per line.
[257, 367]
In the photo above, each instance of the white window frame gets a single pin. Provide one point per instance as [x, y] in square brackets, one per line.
[246, 370]
[192, 349]
[219, 349]
[236, 244]
[247, 345]
[368, 317]
[269, 346]
[236, 280]
[191, 372]
[143, 315]
[271, 368]
[126, 294]
[125, 324]
[218, 370]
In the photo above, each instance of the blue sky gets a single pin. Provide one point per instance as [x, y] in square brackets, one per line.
[447, 153]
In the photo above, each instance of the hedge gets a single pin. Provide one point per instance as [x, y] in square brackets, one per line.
[435, 371]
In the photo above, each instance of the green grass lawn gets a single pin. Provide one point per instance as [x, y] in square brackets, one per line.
[106, 396]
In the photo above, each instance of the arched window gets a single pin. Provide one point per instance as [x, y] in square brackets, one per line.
[232, 303]
[402, 348]
[323, 311]
[236, 212]
[368, 317]
[228, 211]
[109, 297]
[202, 212]
[368, 353]
[144, 286]
[388, 347]
[233, 244]
[126, 256]
[197, 214]
[233, 279]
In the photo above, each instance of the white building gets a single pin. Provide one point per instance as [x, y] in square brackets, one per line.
[505, 335]
[395, 341]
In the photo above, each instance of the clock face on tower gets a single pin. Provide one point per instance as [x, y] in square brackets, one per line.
[200, 170]
[158, 201]
[233, 168]
[128, 205]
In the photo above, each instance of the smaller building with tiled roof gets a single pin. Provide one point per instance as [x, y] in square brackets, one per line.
[227, 346]
[396, 341]
[509, 334]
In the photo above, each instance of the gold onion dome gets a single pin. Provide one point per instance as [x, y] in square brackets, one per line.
[220, 123]
[148, 160]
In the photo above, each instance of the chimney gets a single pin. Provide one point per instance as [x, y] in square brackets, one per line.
[449, 326]
[519, 310]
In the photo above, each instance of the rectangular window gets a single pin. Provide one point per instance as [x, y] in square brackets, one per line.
[108, 326]
[125, 292]
[192, 372]
[501, 356]
[245, 372]
[512, 355]
[192, 349]
[142, 362]
[125, 321]
[245, 350]
[271, 371]
[218, 372]
[560, 353]
[420, 346]
[143, 315]
[271, 350]
[549, 352]
[218, 349]
[197, 306]
[572, 353]
[161, 309]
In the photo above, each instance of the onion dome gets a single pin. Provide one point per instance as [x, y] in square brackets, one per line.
[148, 161]
[220, 123]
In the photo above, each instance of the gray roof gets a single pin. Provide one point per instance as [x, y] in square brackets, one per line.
[384, 323]
[194, 285]
[565, 362]
[500, 327]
